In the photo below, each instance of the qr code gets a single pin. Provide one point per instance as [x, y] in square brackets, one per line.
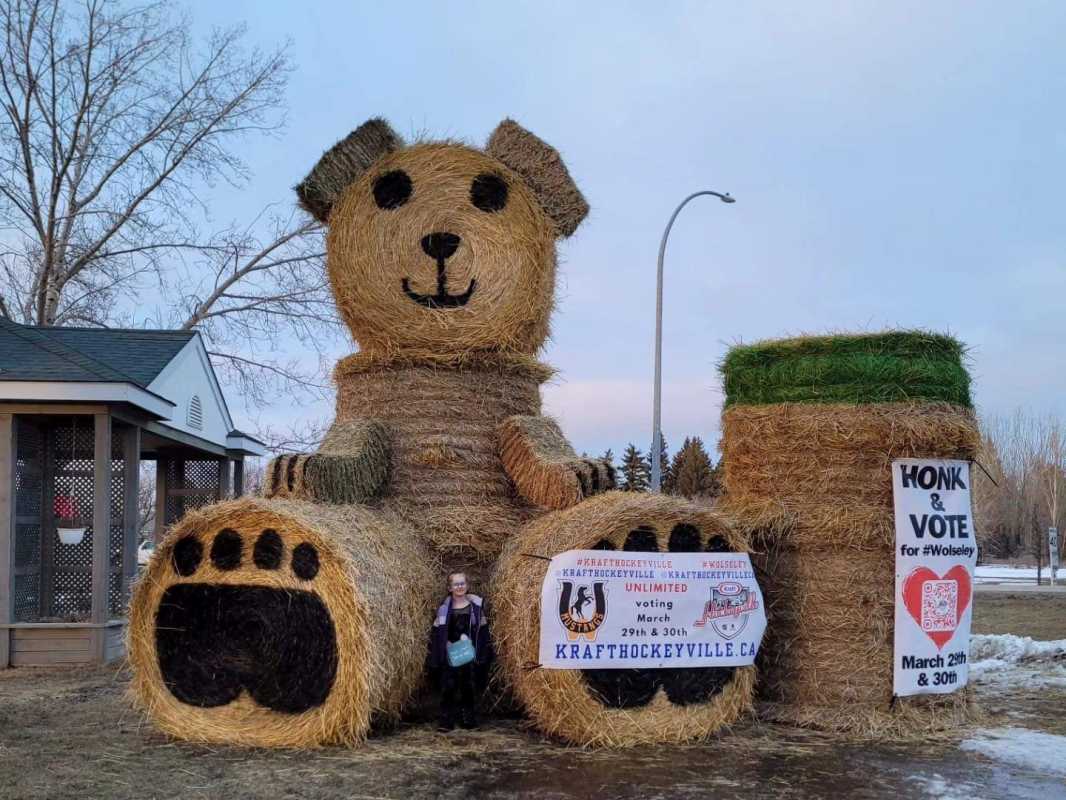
[939, 602]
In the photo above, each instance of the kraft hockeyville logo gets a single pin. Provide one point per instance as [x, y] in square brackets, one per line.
[584, 611]
[728, 609]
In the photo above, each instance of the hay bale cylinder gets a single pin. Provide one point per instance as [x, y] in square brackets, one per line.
[809, 431]
[280, 623]
[613, 707]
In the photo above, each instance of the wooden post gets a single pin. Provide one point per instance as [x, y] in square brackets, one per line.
[225, 487]
[101, 525]
[179, 483]
[161, 466]
[7, 534]
[131, 463]
[238, 477]
[48, 517]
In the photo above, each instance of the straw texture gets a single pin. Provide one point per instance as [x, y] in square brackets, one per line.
[559, 702]
[545, 468]
[811, 482]
[446, 477]
[351, 467]
[543, 170]
[362, 557]
[342, 165]
[505, 259]
[831, 463]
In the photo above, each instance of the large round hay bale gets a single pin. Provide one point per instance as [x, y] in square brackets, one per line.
[809, 433]
[279, 623]
[612, 707]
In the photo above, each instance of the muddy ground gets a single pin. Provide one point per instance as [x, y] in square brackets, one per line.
[70, 734]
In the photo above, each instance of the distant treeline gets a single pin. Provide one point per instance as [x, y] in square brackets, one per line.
[689, 473]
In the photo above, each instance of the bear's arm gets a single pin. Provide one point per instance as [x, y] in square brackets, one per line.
[352, 466]
[544, 467]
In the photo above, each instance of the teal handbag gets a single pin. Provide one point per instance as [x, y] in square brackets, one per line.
[460, 653]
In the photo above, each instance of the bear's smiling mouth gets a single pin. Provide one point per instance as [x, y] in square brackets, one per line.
[442, 299]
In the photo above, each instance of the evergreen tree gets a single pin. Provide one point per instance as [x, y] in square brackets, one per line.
[634, 470]
[693, 473]
[675, 466]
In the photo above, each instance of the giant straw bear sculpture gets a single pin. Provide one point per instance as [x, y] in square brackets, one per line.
[297, 618]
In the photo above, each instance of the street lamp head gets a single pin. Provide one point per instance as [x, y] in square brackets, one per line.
[727, 198]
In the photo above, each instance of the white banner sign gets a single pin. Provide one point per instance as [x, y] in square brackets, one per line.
[602, 609]
[935, 557]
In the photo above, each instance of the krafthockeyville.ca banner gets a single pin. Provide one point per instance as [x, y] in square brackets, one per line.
[936, 553]
[615, 610]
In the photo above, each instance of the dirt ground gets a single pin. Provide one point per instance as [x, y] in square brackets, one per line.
[68, 733]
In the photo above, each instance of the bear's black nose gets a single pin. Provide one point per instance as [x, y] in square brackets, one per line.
[440, 245]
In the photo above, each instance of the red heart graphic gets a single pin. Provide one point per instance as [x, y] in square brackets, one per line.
[912, 597]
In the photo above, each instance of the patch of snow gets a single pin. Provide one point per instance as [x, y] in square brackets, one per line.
[1008, 648]
[937, 787]
[998, 573]
[1007, 662]
[1041, 752]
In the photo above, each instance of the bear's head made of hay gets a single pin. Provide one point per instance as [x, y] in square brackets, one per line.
[439, 249]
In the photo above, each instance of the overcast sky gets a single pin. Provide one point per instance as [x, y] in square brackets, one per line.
[894, 164]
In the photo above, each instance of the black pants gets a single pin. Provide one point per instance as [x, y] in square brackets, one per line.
[458, 691]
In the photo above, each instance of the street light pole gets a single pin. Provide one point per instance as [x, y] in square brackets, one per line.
[656, 425]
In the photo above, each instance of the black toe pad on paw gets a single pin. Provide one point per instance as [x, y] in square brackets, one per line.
[187, 555]
[226, 549]
[304, 561]
[683, 686]
[268, 550]
[213, 641]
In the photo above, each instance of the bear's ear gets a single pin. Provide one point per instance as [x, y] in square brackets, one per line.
[543, 170]
[342, 165]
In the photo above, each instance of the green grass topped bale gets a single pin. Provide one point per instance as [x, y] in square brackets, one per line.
[893, 366]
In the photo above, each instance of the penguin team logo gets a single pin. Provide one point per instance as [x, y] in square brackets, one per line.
[728, 609]
[574, 612]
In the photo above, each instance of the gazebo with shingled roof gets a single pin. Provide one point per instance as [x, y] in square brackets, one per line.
[80, 410]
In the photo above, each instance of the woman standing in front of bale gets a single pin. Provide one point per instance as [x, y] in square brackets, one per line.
[460, 650]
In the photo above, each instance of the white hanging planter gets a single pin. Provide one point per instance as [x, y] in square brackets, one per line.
[70, 535]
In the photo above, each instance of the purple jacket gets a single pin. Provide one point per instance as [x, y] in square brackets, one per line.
[479, 633]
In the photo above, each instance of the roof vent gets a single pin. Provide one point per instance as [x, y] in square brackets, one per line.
[195, 417]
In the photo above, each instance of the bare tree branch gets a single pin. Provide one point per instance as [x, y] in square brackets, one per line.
[113, 123]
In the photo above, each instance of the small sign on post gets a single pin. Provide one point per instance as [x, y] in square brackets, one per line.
[1053, 548]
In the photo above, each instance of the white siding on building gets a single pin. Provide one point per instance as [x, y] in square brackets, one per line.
[189, 377]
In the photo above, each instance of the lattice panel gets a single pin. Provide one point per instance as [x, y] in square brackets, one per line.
[190, 485]
[27, 599]
[72, 595]
[72, 490]
[29, 492]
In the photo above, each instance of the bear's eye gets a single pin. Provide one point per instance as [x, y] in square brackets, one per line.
[392, 189]
[488, 192]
